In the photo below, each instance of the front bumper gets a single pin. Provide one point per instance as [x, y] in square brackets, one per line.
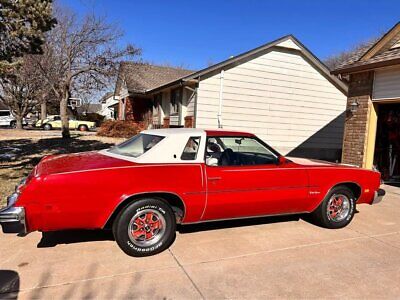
[12, 220]
[378, 196]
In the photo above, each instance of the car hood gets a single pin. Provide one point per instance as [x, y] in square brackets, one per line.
[317, 163]
[78, 162]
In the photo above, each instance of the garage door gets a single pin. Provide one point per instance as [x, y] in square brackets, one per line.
[386, 84]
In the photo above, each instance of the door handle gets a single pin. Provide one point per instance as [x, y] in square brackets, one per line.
[214, 178]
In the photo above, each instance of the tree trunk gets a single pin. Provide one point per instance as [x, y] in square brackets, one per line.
[18, 120]
[43, 110]
[64, 116]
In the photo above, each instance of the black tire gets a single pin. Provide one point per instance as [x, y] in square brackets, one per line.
[47, 127]
[327, 218]
[83, 128]
[141, 246]
[13, 124]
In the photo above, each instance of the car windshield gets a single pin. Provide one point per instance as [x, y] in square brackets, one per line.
[137, 145]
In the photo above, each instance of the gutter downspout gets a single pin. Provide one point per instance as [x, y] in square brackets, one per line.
[195, 107]
[221, 93]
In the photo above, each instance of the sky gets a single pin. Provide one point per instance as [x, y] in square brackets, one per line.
[194, 34]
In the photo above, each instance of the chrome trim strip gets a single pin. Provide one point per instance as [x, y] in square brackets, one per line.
[246, 217]
[138, 165]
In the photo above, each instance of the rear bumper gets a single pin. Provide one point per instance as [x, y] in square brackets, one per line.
[12, 220]
[378, 196]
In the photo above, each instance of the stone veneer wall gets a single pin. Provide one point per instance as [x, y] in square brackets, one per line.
[356, 124]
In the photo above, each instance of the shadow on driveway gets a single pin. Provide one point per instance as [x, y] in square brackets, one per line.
[52, 239]
[9, 284]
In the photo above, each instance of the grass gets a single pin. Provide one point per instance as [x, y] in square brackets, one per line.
[28, 147]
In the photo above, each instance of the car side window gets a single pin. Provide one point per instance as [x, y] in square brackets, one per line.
[57, 118]
[191, 148]
[238, 151]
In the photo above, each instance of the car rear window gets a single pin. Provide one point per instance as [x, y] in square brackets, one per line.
[137, 145]
[191, 148]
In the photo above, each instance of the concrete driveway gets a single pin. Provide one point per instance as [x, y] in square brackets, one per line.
[273, 257]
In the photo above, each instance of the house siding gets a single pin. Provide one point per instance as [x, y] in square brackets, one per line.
[386, 84]
[280, 97]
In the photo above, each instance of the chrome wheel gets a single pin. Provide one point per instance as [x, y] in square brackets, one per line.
[338, 207]
[146, 227]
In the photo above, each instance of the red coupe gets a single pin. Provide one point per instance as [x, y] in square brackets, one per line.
[143, 187]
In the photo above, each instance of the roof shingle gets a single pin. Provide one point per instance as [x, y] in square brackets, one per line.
[140, 77]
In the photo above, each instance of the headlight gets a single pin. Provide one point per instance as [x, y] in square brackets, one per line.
[12, 199]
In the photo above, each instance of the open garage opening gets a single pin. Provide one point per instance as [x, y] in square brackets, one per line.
[387, 143]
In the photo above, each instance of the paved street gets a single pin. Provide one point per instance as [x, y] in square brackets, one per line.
[273, 257]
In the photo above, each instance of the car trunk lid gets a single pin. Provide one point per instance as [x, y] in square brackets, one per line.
[78, 162]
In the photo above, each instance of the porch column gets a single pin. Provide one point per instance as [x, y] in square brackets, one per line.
[129, 109]
[355, 138]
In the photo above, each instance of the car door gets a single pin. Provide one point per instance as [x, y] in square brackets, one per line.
[5, 118]
[253, 185]
[72, 123]
[56, 122]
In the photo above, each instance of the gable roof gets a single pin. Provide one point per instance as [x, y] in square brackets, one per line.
[384, 52]
[287, 43]
[106, 96]
[141, 77]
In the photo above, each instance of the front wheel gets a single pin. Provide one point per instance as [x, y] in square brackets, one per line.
[145, 227]
[47, 127]
[337, 209]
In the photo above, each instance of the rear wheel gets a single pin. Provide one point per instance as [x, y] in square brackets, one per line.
[337, 209]
[13, 124]
[47, 127]
[145, 227]
[83, 128]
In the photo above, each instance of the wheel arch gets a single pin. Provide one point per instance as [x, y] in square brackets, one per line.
[172, 199]
[353, 186]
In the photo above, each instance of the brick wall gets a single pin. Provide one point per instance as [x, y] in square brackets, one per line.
[356, 126]
[129, 109]
[166, 122]
[189, 121]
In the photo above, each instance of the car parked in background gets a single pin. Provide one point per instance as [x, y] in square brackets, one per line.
[54, 122]
[143, 187]
[7, 119]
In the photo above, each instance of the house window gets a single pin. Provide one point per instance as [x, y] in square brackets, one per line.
[191, 148]
[157, 100]
[176, 99]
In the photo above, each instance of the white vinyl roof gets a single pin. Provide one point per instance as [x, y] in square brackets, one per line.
[175, 131]
[169, 149]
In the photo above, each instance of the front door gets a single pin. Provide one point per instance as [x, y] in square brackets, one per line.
[244, 179]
